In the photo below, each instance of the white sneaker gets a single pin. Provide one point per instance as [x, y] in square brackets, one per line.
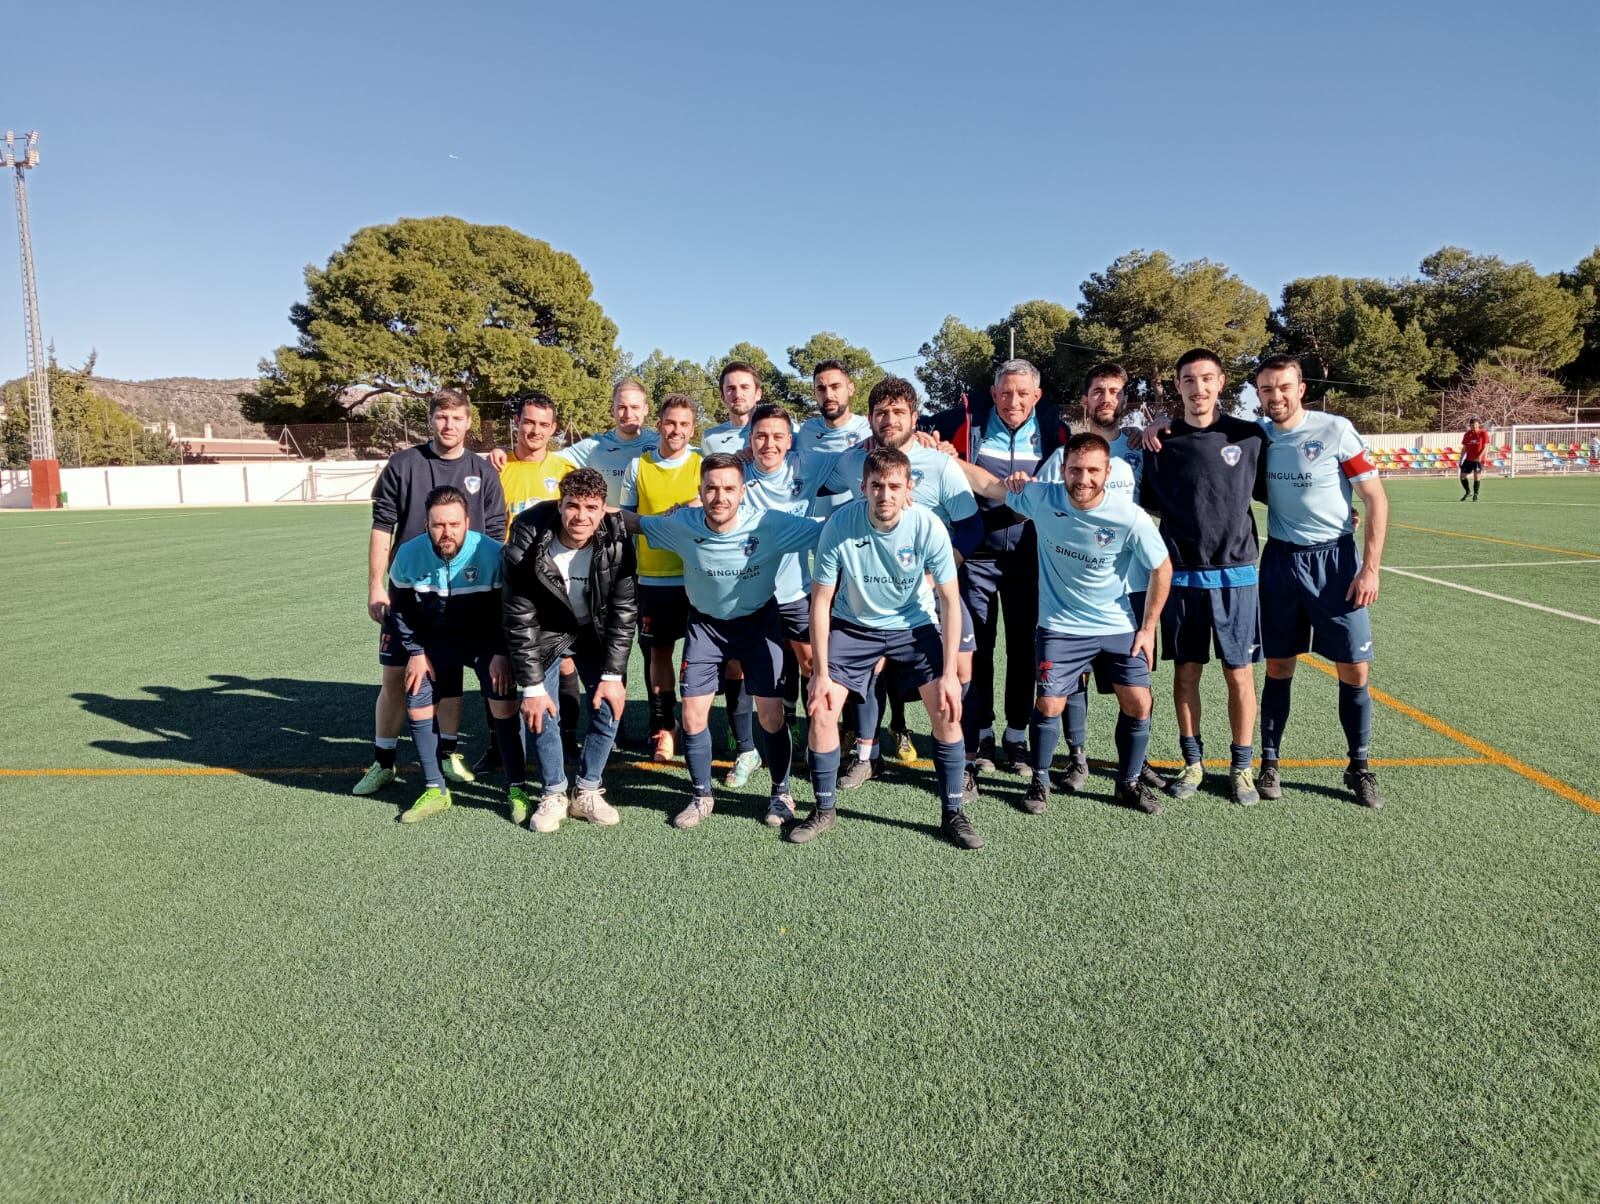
[591, 805]
[698, 809]
[547, 817]
[780, 811]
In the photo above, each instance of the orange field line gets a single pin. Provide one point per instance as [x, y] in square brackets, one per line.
[1510, 543]
[1487, 751]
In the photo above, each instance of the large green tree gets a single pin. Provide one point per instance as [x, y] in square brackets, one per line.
[1146, 311]
[957, 360]
[662, 374]
[825, 345]
[1583, 282]
[404, 309]
[1044, 333]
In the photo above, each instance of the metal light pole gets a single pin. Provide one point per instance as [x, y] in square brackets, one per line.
[44, 469]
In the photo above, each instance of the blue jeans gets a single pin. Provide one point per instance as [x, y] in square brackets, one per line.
[597, 742]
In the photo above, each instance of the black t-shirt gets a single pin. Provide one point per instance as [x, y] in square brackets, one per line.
[410, 475]
[1201, 482]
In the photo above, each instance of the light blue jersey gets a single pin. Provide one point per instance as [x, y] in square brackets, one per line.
[1081, 558]
[1120, 484]
[725, 437]
[475, 569]
[1123, 455]
[729, 574]
[815, 435]
[787, 490]
[881, 575]
[610, 455]
[937, 481]
[1310, 470]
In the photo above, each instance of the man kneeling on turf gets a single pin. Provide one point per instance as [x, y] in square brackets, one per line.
[569, 592]
[871, 600]
[444, 602]
[1087, 541]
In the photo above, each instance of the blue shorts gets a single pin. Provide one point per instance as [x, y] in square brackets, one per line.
[969, 636]
[1303, 603]
[391, 652]
[915, 656]
[1195, 619]
[663, 614]
[1104, 681]
[796, 619]
[1061, 661]
[754, 640]
[449, 672]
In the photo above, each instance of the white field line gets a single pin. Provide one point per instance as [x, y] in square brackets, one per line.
[1483, 593]
[1504, 564]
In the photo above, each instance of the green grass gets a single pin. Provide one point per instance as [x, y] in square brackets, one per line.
[263, 988]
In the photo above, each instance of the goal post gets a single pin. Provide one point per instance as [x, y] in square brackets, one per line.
[1559, 448]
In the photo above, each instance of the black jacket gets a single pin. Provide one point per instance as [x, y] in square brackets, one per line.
[539, 622]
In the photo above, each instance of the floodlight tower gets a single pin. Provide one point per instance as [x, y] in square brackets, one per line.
[44, 469]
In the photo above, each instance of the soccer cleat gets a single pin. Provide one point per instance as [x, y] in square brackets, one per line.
[983, 759]
[548, 815]
[663, 751]
[904, 751]
[1242, 783]
[744, 765]
[1014, 757]
[521, 805]
[859, 773]
[489, 762]
[969, 788]
[1186, 781]
[432, 801]
[454, 768]
[1149, 776]
[1037, 798]
[1072, 778]
[958, 830]
[813, 825]
[1138, 796]
[591, 807]
[1365, 785]
[375, 779]
[780, 811]
[698, 809]
[1269, 785]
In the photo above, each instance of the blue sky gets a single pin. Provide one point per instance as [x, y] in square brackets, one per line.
[754, 172]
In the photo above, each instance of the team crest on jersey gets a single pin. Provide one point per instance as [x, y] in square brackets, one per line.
[796, 487]
[749, 546]
[851, 438]
[1104, 536]
[906, 555]
[551, 484]
[473, 484]
[1131, 459]
[470, 574]
[916, 478]
[1312, 449]
[1231, 454]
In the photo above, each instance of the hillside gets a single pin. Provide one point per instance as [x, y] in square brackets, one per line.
[189, 401]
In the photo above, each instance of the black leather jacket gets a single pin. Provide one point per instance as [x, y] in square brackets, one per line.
[539, 622]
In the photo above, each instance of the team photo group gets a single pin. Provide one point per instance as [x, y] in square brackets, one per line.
[845, 567]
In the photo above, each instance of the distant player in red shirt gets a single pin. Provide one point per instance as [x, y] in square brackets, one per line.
[1474, 449]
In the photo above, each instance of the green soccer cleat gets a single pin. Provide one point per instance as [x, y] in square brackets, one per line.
[1186, 781]
[375, 779]
[521, 805]
[744, 765]
[432, 801]
[455, 768]
[1243, 787]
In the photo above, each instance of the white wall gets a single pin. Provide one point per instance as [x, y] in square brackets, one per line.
[202, 484]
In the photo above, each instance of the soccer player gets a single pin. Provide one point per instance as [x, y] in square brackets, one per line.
[1086, 536]
[611, 452]
[1315, 588]
[399, 513]
[834, 427]
[938, 484]
[731, 561]
[654, 483]
[871, 602]
[1474, 452]
[444, 606]
[1103, 405]
[1201, 483]
[741, 394]
[569, 596]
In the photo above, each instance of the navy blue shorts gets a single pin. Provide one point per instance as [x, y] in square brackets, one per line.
[391, 652]
[663, 614]
[1195, 620]
[1303, 603]
[915, 656]
[969, 637]
[755, 641]
[796, 619]
[449, 673]
[1061, 660]
[1104, 680]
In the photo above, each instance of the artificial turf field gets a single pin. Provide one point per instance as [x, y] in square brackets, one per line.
[217, 985]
